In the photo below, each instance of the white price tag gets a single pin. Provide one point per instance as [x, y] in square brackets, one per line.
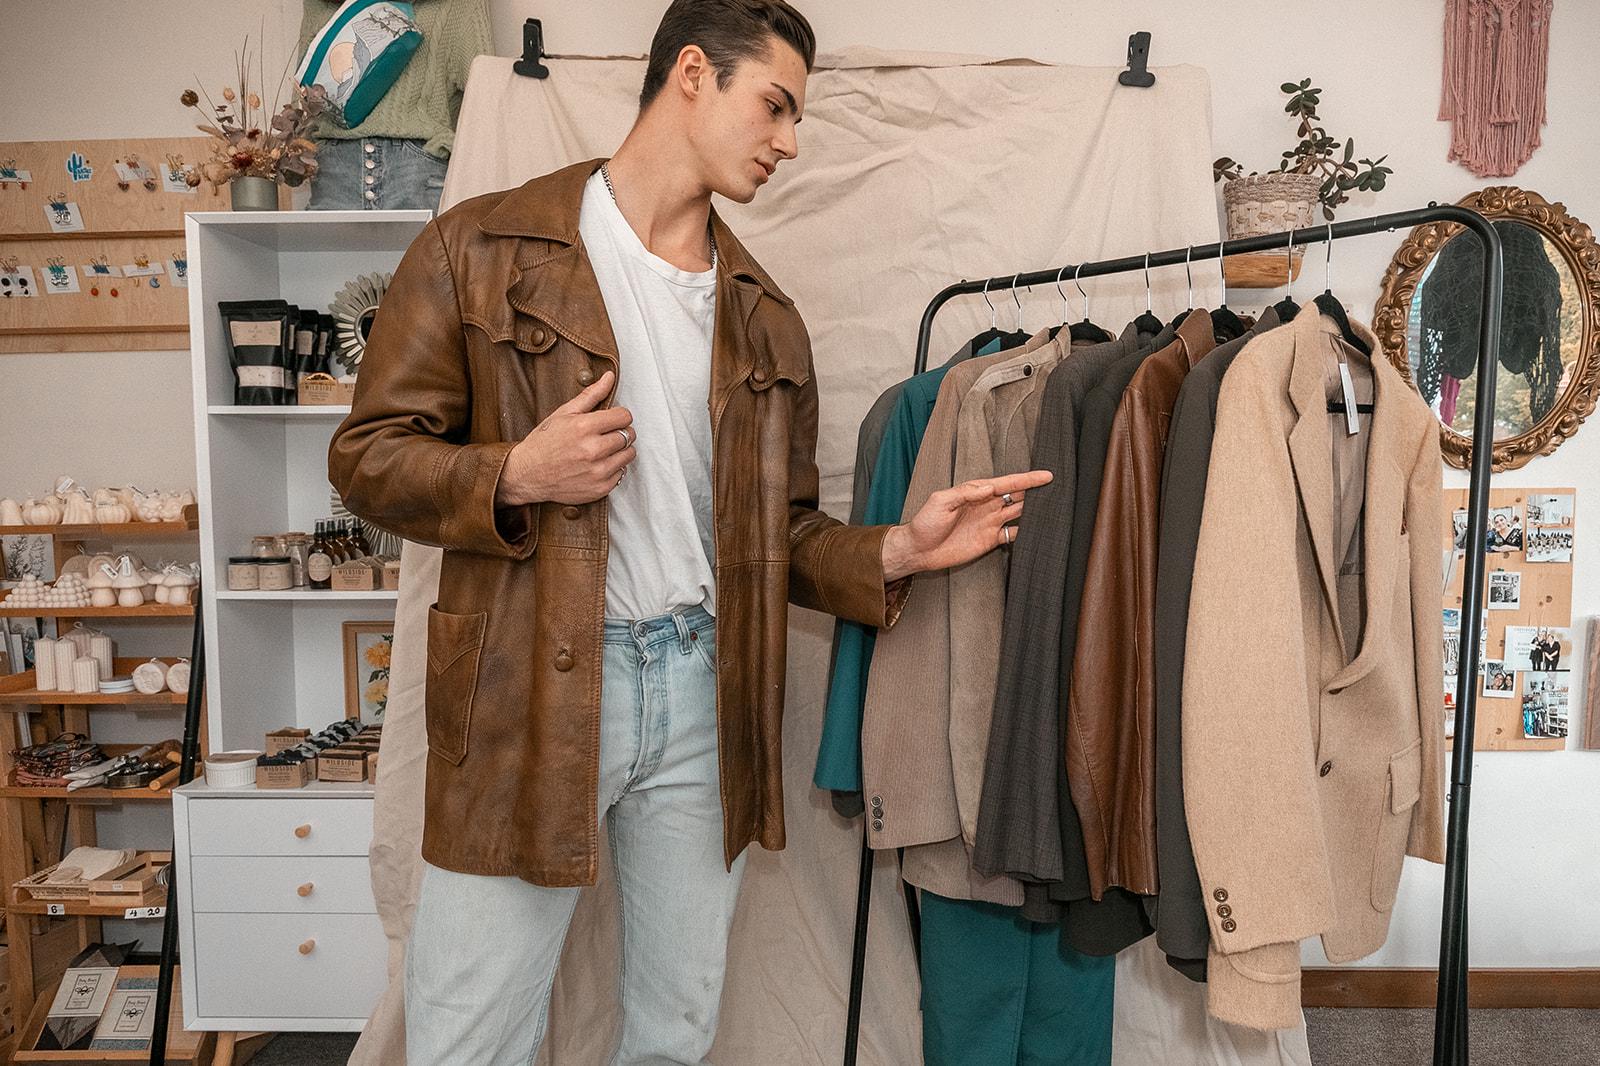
[1350, 411]
[145, 912]
[55, 908]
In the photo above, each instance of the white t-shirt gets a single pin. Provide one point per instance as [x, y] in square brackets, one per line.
[660, 516]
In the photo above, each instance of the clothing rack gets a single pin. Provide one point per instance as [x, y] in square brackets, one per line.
[1450, 1012]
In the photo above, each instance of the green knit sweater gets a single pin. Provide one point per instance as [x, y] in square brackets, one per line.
[423, 102]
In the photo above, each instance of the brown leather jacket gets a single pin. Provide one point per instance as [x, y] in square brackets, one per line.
[493, 320]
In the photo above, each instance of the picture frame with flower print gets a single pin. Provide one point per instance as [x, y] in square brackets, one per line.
[368, 650]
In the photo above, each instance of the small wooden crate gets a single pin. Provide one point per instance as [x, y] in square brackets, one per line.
[133, 884]
[184, 1048]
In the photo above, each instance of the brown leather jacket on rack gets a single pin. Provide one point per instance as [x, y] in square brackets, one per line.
[493, 320]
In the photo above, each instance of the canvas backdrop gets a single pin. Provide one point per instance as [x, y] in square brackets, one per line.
[914, 170]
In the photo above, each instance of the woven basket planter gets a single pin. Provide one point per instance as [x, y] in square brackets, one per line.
[1270, 203]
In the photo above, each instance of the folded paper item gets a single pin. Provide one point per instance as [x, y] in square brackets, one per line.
[89, 864]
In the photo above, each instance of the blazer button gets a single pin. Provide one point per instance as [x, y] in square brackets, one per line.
[759, 375]
[1327, 768]
[1224, 911]
[877, 823]
[1220, 895]
[569, 512]
[563, 660]
[1229, 925]
[586, 377]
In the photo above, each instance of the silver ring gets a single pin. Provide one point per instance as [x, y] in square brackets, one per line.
[627, 441]
[1006, 496]
[1010, 534]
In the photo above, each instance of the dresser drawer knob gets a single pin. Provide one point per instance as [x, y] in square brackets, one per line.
[305, 889]
[308, 947]
[302, 831]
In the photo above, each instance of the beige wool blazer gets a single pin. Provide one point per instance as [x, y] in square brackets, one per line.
[907, 769]
[1312, 718]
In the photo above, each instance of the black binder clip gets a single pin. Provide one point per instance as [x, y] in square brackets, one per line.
[1138, 59]
[532, 51]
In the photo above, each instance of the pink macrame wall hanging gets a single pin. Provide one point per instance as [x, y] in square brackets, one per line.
[1496, 54]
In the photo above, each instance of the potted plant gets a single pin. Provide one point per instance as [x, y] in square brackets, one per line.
[255, 150]
[1318, 170]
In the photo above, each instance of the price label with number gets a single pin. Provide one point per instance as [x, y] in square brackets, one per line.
[55, 908]
[145, 912]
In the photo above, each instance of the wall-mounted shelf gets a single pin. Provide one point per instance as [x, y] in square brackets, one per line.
[117, 531]
[291, 411]
[148, 610]
[18, 689]
[307, 595]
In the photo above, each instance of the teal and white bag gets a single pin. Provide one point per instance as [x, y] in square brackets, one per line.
[358, 55]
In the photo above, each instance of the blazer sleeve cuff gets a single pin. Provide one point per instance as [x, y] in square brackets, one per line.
[465, 485]
[1258, 988]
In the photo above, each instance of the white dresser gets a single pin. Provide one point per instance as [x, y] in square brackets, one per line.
[275, 914]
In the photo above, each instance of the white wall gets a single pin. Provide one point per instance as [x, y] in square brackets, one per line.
[1534, 841]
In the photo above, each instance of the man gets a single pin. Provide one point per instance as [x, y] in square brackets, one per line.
[600, 405]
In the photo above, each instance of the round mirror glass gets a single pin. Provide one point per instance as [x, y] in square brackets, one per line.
[1540, 333]
[364, 323]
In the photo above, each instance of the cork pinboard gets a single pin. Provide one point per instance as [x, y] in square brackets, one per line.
[1528, 589]
[87, 264]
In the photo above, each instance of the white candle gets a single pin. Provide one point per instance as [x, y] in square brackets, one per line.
[66, 652]
[85, 675]
[44, 664]
[103, 651]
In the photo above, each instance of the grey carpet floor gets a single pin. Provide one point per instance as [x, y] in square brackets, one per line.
[1339, 1037]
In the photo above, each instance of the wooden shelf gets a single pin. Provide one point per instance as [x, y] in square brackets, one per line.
[149, 610]
[1264, 270]
[304, 595]
[78, 910]
[18, 688]
[116, 531]
[86, 795]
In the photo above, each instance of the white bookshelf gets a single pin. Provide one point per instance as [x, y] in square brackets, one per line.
[273, 659]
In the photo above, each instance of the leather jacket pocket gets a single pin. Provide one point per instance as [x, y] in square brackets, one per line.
[1394, 822]
[455, 644]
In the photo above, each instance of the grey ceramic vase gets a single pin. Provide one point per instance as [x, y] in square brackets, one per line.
[254, 194]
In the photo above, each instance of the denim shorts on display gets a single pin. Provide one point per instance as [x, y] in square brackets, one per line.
[376, 173]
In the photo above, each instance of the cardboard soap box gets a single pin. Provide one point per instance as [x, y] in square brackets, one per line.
[284, 739]
[342, 764]
[318, 390]
[358, 575]
[391, 574]
[295, 775]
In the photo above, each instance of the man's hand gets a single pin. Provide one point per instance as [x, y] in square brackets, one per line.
[577, 455]
[958, 524]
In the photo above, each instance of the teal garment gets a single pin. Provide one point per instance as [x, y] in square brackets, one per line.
[839, 751]
[999, 990]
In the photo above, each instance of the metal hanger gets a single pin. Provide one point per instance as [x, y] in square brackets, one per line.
[1329, 304]
[1086, 331]
[1286, 308]
[1224, 323]
[1147, 322]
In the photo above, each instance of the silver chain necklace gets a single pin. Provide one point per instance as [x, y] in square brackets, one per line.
[606, 174]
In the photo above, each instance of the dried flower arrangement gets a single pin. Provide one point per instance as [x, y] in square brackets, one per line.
[251, 141]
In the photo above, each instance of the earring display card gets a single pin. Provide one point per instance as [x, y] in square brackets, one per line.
[98, 226]
[1527, 651]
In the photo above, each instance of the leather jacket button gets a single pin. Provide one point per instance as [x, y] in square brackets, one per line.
[1220, 895]
[538, 337]
[1327, 768]
[1229, 925]
[564, 660]
[759, 375]
[586, 377]
[569, 512]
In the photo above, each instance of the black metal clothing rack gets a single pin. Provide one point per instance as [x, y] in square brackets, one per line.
[1450, 1017]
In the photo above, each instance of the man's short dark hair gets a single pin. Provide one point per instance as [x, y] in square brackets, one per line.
[727, 31]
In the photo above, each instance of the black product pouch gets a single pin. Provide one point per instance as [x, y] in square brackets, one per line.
[260, 339]
[331, 363]
[307, 334]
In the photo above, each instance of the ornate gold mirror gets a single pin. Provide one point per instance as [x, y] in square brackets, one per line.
[1549, 365]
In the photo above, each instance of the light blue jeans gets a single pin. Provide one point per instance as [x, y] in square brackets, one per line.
[375, 173]
[483, 950]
